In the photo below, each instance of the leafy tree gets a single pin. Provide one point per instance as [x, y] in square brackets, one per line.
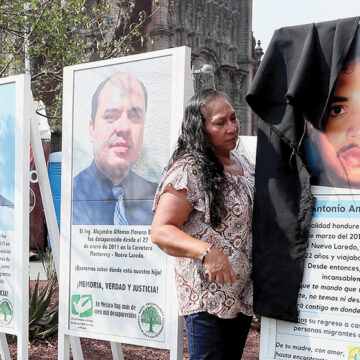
[151, 316]
[48, 35]
[5, 309]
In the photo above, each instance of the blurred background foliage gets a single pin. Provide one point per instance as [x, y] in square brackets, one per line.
[43, 36]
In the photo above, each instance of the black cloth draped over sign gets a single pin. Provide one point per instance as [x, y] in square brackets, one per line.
[292, 86]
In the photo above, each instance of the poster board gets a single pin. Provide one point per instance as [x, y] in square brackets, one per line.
[15, 101]
[329, 298]
[115, 284]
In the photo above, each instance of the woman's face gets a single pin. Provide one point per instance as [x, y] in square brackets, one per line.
[221, 126]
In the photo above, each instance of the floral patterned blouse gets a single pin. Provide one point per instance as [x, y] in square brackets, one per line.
[196, 293]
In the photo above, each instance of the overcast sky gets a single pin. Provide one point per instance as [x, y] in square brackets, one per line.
[269, 15]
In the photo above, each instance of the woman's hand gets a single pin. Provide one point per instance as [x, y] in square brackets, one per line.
[218, 267]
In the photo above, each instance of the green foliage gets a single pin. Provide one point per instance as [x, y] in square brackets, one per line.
[43, 318]
[151, 316]
[50, 37]
[53, 34]
[48, 263]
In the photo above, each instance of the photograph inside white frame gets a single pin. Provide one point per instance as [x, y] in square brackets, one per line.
[156, 78]
[15, 102]
[123, 117]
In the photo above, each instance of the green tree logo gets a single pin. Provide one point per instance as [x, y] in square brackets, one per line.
[6, 312]
[151, 320]
[151, 316]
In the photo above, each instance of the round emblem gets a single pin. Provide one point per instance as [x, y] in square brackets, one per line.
[6, 312]
[151, 320]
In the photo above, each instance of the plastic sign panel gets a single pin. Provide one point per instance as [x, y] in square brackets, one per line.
[329, 298]
[121, 118]
[14, 207]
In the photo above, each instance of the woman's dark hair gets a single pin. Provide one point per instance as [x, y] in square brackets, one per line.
[192, 142]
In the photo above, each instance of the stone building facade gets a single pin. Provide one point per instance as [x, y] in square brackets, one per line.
[219, 33]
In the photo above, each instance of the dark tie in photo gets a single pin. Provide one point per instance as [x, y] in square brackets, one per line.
[119, 212]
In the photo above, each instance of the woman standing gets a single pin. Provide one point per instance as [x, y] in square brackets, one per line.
[203, 217]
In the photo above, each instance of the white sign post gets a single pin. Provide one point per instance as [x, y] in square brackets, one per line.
[115, 284]
[329, 298]
[14, 212]
[49, 209]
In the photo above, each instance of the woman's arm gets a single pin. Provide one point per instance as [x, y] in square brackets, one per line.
[172, 211]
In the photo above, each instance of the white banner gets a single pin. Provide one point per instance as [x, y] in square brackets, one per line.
[15, 102]
[121, 119]
[329, 298]
[118, 282]
[7, 279]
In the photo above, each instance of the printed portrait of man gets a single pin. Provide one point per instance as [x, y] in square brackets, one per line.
[109, 192]
[334, 153]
